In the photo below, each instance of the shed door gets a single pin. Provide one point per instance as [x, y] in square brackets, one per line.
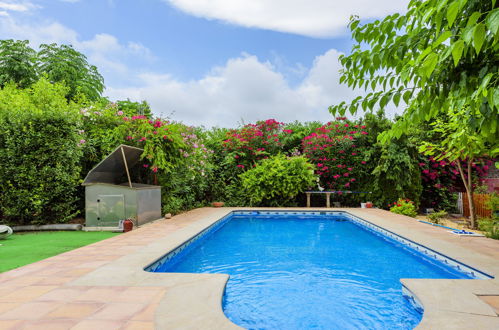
[111, 210]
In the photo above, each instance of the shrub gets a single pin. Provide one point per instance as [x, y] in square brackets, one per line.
[435, 217]
[337, 152]
[490, 226]
[40, 150]
[405, 207]
[276, 180]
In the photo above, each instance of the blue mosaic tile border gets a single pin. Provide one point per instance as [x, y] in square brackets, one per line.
[429, 253]
[191, 243]
[432, 254]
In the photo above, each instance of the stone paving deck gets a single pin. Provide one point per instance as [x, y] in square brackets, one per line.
[103, 285]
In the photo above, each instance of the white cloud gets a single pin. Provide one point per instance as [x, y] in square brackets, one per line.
[244, 89]
[318, 18]
[16, 5]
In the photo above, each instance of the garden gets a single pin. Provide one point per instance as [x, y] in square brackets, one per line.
[55, 126]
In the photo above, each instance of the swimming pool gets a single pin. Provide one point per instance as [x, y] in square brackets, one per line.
[304, 270]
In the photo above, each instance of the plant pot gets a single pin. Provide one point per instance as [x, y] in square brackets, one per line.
[217, 204]
[362, 205]
[369, 205]
[127, 225]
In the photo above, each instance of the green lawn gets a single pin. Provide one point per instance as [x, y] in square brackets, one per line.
[24, 248]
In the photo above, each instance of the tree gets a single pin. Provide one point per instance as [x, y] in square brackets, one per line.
[17, 63]
[441, 55]
[64, 64]
[131, 108]
[460, 144]
[440, 58]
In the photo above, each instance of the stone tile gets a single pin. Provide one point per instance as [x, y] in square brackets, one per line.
[75, 272]
[23, 281]
[118, 311]
[147, 314]
[54, 280]
[27, 293]
[9, 324]
[98, 325]
[63, 294]
[4, 307]
[100, 294]
[75, 310]
[49, 324]
[30, 311]
[139, 295]
[492, 301]
[137, 325]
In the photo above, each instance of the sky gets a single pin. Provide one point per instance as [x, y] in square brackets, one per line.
[207, 62]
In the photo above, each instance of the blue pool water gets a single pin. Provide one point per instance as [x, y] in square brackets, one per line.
[309, 272]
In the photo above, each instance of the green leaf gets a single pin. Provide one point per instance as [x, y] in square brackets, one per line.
[478, 37]
[467, 34]
[452, 13]
[473, 18]
[457, 51]
[444, 36]
[496, 97]
[396, 99]
[429, 64]
[407, 96]
[492, 21]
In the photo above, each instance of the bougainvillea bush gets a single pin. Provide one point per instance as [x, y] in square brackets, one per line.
[441, 179]
[254, 142]
[338, 149]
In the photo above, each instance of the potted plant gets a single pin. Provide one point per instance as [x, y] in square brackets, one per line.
[217, 204]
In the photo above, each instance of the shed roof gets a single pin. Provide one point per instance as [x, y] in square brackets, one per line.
[112, 168]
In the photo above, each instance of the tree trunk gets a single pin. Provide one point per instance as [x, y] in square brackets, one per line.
[468, 185]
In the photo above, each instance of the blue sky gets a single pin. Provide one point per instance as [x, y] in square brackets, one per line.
[216, 62]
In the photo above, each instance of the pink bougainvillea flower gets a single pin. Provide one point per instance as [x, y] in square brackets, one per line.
[120, 113]
[350, 169]
[354, 153]
[363, 162]
[82, 141]
[240, 166]
[155, 169]
[145, 165]
[347, 184]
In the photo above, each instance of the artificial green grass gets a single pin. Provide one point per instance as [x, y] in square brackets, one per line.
[21, 249]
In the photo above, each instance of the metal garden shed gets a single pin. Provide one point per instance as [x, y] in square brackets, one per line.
[111, 196]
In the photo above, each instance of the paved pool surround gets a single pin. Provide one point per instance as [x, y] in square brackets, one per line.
[104, 285]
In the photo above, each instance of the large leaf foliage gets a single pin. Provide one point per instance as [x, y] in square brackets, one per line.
[442, 55]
